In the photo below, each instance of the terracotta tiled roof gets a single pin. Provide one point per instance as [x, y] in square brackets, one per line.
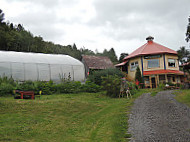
[97, 62]
[163, 72]
[150, 48]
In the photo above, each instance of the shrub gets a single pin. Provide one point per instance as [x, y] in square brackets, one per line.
[6, 85]
[6, 88]
[133, 88]
[69, 87]
[138, 77]
[90, 87]
[26, 86]
[45, 87]
[7, 80]
[111, 84]
[161, 86]
[96, 76]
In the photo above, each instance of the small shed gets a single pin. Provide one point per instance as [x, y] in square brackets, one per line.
[96, 63]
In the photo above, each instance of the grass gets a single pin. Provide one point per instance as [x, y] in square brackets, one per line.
[183, 96]
[65, 117]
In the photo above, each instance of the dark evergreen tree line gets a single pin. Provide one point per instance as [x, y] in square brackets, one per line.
[16, 38]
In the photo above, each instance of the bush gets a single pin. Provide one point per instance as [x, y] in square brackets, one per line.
[161, 86]
[26, 86]
[69, 87]
[96, 76]
[90, 87]
[111, 84]
[7, 80]
[45, 87]
[6, 88]
[6, 85]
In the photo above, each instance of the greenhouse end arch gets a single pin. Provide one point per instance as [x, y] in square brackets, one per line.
[38, 66]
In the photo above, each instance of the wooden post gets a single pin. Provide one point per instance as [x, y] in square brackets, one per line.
[166, 78]
[158, 79]
[150, 81]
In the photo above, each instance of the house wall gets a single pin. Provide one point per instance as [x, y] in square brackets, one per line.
[131, 74]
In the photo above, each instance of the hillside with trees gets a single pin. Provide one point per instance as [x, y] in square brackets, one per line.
[17, 38]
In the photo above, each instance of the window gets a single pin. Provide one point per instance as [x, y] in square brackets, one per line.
[171, 63]
[153, 63]
[134, 66]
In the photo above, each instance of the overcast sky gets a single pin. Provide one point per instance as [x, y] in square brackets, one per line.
[102, 24]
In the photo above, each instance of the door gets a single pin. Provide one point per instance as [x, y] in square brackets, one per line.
[153, 80]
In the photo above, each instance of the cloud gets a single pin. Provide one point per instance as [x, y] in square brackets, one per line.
[100, 24]
[128, 19]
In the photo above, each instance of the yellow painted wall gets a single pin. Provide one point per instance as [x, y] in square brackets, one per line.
[131, 74]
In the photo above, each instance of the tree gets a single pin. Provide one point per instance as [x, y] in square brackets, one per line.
[183, 55]
[122, 56]
[1, 16]
[188, 31]
[138, 76]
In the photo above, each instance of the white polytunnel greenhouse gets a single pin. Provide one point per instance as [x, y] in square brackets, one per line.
[38, 66]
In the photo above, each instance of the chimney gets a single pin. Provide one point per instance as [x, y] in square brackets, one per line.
[150, 39]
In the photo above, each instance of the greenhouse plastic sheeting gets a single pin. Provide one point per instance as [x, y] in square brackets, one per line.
[37, 66]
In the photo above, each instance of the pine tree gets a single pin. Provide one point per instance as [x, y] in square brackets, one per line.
[138, 75]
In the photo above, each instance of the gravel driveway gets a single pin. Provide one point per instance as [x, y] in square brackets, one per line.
[159, 118]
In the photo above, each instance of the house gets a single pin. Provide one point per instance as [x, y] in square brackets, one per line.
[158, 64]
[96, 63]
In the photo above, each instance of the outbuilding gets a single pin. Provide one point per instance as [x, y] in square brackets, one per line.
[38, 66]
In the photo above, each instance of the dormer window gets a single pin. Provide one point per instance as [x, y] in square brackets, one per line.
[171, 63]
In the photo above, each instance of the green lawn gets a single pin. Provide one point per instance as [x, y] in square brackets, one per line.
[65, 117]
[183, 96]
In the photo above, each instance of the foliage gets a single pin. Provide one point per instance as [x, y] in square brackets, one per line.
[47, 88]
[133, 88]
[17, 38]
[183, 55]
[90, 87]
[111, 54]
[122, 56]
[161, 86]
[69, 87]
[1, 16]
[6, 88]
[111, 84]
[188, 30]
[7, 80]
[96, 76]
[6, 85]
[26, 86]
[138, 76]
